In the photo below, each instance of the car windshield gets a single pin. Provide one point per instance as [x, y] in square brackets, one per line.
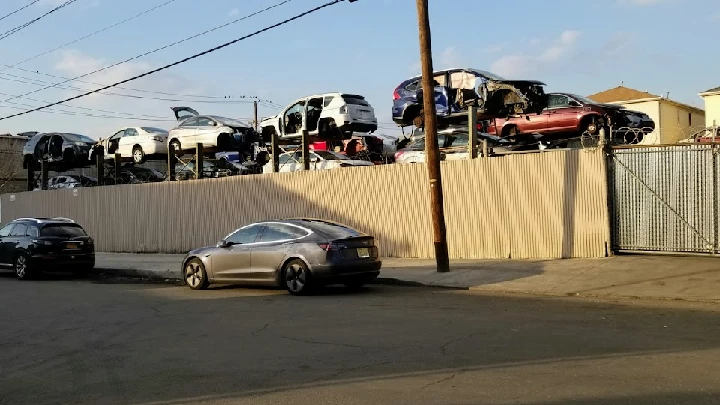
[62, 230]
[328, 155]
[154, 130]
[487, 74]
[582, 99]
[228, 121]
[78, 138]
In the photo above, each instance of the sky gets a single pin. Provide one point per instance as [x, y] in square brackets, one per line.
[367, 47]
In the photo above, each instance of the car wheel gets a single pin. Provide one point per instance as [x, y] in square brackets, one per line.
[23, 270]
[511, 131]
[138, 155]
[297, 277]
[195, 275]
[592, 127]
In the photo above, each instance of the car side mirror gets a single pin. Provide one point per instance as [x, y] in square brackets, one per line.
[224, 244]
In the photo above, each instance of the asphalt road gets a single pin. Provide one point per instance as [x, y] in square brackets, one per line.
[104, 341]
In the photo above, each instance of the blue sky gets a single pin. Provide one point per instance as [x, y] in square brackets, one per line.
[367, 47]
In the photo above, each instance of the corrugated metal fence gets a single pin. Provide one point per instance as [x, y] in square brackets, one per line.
[665, 198]
[541, 205]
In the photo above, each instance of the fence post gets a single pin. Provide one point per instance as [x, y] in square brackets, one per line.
[199, 161]
[100, 164]
[306, 149]
[117, 165]
[601, 141]
[171, 162]
[716, 215]
[275, 152]
[486, 149]
[472, 133]
[44, 175]
[30, 176]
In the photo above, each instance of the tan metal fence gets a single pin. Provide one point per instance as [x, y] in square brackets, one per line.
[539, 205]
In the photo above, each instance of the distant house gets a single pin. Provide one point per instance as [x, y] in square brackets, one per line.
[712, 106]
[673, 120]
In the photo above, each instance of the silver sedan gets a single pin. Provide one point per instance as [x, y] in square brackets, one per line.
[297, 254]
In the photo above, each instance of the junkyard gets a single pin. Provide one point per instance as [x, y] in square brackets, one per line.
[532, 233]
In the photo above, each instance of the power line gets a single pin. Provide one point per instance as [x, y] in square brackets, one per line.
[215, 99]
[75, 113]
[155, 50]
[88, 35]
[20, 9]
[20, 27]
[197, 55]
[125, 88]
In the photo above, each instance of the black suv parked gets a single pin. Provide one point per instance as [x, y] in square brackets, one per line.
[33, 245]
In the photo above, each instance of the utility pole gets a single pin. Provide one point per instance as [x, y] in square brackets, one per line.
[432, 152]
[255, 121]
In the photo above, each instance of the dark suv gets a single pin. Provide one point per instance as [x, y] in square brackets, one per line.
[32, 245]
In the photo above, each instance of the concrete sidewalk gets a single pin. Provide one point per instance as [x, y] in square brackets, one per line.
[666, 277]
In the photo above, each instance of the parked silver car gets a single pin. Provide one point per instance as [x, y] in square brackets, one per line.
[297, 254]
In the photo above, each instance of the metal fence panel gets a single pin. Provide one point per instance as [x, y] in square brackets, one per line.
[540, 205]
[664, 199]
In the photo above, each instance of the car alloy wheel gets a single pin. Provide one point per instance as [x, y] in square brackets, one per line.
[138, 155]
[297, 277]
[195, 275]
[21, 267]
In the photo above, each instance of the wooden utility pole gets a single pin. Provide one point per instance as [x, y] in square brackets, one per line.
[472, 132]
[432, 152]
[255, 121]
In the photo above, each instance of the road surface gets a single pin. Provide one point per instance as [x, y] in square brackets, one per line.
[109, 341]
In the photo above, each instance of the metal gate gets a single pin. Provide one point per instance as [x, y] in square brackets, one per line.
[664, 198]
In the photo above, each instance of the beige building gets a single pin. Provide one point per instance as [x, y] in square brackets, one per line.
[712, 106]
[674, 121]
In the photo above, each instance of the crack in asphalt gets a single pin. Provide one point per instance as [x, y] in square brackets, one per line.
[442, 380]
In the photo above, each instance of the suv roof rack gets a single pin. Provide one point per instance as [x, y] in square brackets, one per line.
[62, 219]
[29, 219]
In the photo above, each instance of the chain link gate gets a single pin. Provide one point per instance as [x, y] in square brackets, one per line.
[664, 198]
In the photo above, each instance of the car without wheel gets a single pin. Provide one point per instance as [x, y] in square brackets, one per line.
[136, 143]
[493, 95]
[329, 115]
[62, 151]
[213, 131]
[296, 254]
[30, 246]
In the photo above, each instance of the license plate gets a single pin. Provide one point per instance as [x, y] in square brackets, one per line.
[72, 246]
[363, 252]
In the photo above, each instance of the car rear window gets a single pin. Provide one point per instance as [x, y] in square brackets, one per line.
[333, 230]
[62, 230]
[356, 100]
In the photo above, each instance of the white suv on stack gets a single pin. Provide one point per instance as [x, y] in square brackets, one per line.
[329, 115]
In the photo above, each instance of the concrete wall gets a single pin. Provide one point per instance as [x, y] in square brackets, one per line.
[652, 109]
[712, 110]
[540, 205]
[678, 123]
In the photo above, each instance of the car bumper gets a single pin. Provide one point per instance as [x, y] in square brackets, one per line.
[343, 271]
[62, 261]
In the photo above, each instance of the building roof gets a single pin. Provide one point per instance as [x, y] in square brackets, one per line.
[709, 92]
[620, 93]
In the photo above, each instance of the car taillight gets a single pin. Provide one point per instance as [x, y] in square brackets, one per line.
[396, 94]
[331, 246]
[398, 154]
[42, 242]
[157, 139]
